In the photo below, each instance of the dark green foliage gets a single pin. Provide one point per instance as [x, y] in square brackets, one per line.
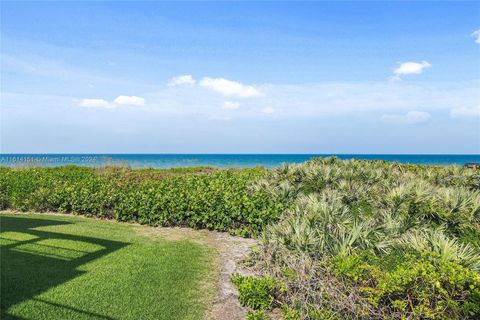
[202, 198]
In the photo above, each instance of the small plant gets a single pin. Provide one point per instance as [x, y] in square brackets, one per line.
[289, 313]
[257, 315]
[256, 293]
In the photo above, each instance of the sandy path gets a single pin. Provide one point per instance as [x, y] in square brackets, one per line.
[231, 251]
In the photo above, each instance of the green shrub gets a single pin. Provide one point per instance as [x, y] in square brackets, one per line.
[422, 285]
[290, 313]
[39, 200]
[197, 198]
[257, 315]
[256, 293]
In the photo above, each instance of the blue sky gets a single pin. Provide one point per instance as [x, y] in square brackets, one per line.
[226, 77]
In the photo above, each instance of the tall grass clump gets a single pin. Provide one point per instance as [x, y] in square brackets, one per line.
[374, 240]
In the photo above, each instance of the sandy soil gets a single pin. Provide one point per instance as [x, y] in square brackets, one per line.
[232, 250]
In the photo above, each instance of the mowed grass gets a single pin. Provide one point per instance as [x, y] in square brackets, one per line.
[59, 267]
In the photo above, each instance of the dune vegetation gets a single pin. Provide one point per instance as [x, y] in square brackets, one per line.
[372, 240]
[192, 197]
[337, 239]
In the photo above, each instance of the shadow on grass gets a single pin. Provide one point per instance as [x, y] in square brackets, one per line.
[33, 261]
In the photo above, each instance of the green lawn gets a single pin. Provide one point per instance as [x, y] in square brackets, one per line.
[59, 267]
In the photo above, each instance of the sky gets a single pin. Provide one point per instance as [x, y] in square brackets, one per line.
[251, 77]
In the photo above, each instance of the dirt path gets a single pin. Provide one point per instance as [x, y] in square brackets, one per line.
[232, 250]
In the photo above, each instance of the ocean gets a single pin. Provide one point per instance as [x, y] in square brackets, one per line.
[215, 160]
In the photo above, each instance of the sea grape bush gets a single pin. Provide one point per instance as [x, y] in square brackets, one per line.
[201, 198]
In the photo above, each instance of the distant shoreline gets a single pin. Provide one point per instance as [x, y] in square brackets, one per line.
[217, 160]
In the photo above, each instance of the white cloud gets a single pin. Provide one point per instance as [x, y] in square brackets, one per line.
[410, 68]
[119, 101]
[476, 35]
[411, 117]
[229, 87]
[230, 105]
[268, 110]
[95, 103]
[473, 112]
[182, 80]
[324, 99]
[129, 101]
[220, 85]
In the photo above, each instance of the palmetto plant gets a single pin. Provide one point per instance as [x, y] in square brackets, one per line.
[460, 204]
[447, 249]
[340, 208]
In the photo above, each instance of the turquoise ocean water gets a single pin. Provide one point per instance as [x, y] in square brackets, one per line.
[216, 160]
